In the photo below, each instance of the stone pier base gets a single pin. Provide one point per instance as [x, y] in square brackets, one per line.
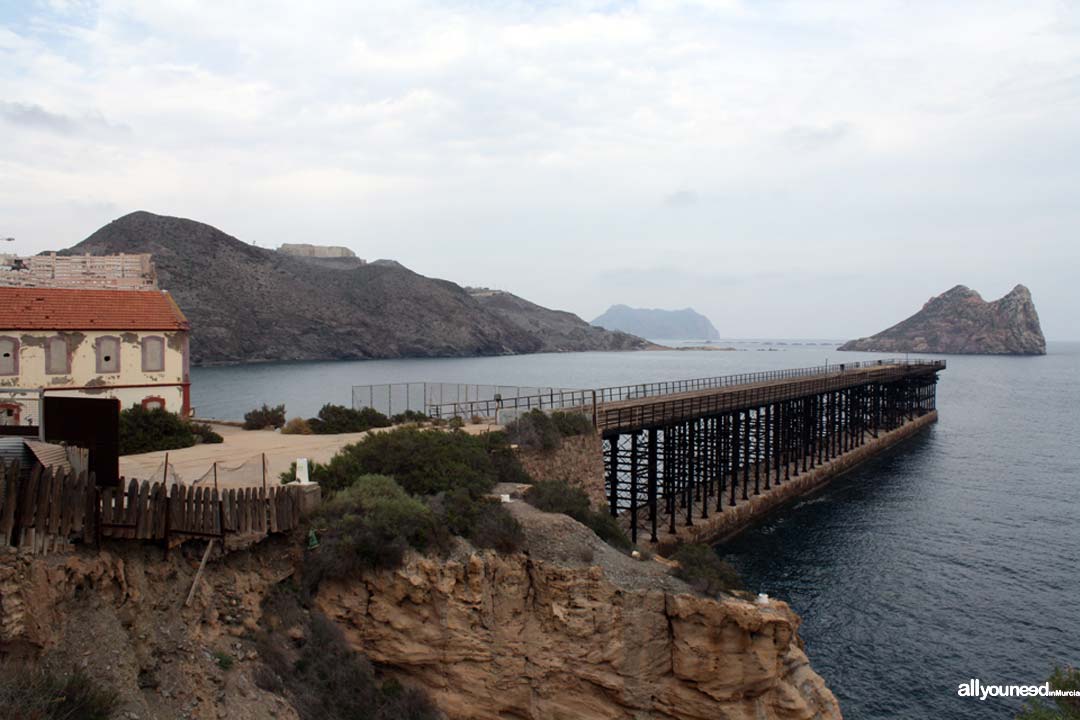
[721, 526]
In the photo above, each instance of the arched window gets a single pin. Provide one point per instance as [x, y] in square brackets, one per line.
[153, 353]
[108, 354]
[57, 361]
[153, 403]
[9, 356]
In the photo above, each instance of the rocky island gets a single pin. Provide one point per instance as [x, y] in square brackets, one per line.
[959, 321]
[685, 324]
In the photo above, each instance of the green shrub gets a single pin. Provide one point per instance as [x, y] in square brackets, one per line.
[424, 462]
[205, 433]
[27, 694]
[556, 496]
[224, 660]
[534, 430]
[336, 419]
[369, 524]
[571, 424]
[296, 426]
[143, 430]
[328, 680]
[264, 417]
[703, 570]
[508, 467]
[484, 521]
[1061, 708]
[408, 416]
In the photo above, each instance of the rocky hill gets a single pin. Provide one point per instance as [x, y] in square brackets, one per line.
[658, 324]
[960, 321]
[249, 304]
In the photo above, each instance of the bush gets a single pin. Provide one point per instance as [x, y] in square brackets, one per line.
[143, 430]
[369, 524]
[702, 569]
[556, 496]
[571, 424]
[424, 462]
[205, 433]
[27, 694]
[534, 430]
[336, 419]
[484, 521]
[296, 426]
[507, 465]
[408, 416]
[264, 417]
[1066, 707]
[330, 681]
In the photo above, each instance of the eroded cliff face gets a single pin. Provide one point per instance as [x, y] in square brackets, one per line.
[960, 321]
[494, 636]
[574, 629]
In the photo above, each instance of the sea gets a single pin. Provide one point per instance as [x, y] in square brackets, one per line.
[953, 556]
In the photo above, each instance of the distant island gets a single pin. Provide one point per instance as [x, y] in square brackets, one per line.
[959, 321]
[313, 302]
[658, 324]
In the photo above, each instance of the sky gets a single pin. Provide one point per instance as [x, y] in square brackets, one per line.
[789, 169]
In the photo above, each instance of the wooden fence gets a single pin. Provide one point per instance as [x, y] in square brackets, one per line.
[51, 508]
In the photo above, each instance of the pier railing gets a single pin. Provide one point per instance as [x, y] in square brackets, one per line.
[577, 399]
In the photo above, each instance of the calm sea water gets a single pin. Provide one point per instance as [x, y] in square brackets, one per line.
[954, 556]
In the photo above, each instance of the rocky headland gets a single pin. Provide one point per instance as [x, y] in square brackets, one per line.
[959, 321]
[569, 629]
[252, 304]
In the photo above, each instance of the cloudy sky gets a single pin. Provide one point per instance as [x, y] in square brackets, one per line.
[790, 169]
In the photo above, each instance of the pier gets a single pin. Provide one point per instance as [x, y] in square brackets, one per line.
[700, 459]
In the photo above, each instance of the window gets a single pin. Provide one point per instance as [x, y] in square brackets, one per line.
[153, 353]
[56, 356]
[9, 356]
[9, 414]
[108, 354]
[153, 403]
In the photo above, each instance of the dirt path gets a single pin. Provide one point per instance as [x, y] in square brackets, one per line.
[239, 457]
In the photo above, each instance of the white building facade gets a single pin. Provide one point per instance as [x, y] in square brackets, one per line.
[125, 344]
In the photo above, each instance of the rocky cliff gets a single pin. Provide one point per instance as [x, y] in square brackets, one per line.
[684, 324]
[248, 303]
[960, 321]
[573, 629]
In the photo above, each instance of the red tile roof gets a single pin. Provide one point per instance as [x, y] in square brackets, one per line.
[56, 309]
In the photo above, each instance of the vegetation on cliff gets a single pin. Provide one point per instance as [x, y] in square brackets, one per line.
[538, 430]
[410, 488]
[1060, 708]
[556, 496]
[35, 694]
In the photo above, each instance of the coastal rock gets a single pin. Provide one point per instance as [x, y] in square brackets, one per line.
[959, 321]
[492, 636]
[686, 324]
[250, 304]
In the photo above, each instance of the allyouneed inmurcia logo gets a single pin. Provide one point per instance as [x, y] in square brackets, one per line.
[975, 688]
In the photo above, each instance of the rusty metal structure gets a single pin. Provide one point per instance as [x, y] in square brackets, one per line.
[677, 451]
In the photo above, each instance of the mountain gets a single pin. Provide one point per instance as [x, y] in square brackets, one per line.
[960, 321]
[664, 324]
[249, 304]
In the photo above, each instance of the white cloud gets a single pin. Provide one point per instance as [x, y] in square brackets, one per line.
[471, 140]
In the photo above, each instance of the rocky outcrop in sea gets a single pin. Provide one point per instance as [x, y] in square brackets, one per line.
[959, 321]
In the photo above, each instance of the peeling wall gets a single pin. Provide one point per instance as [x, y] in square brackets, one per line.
[82, 361]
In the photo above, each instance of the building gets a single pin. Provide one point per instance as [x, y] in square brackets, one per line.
[127, 344]
[119, 272]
